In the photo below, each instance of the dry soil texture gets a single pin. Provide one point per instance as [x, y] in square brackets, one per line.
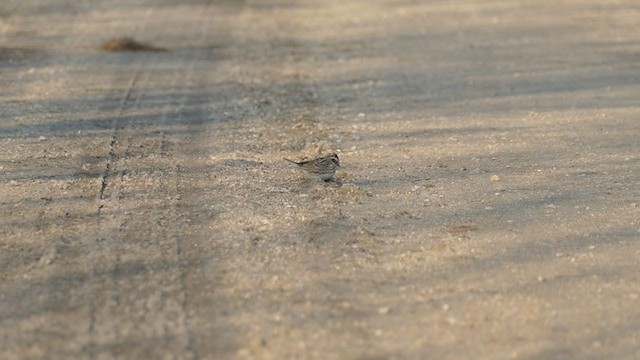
[487, 206]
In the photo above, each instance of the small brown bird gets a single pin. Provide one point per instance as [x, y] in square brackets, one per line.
[323, 167]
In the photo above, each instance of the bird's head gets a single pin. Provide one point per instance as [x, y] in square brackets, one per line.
[334, 158]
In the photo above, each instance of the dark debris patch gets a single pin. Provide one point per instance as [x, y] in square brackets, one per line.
[128, 44]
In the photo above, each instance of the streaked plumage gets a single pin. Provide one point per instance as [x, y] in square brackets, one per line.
[323, 167]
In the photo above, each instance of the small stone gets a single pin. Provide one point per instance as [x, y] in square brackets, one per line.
[48, 257]
[42, 138]
[342, 175]
[243, 353]
[351, 189]
[495, 178]
[319, 192]
[364, 231]
[383, 310]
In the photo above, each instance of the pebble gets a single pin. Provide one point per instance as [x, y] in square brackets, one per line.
[350, 189]
[495, 178]
[383, 310]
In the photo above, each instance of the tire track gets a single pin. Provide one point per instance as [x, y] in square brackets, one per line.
[163, 219]
[102, 246]
[111, 157]
[174, 215]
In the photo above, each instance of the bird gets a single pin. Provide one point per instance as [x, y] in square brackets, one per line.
[323, 167]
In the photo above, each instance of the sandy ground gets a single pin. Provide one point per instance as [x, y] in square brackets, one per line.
[488, 207]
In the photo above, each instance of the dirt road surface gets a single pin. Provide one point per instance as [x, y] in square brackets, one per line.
[487, 207]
